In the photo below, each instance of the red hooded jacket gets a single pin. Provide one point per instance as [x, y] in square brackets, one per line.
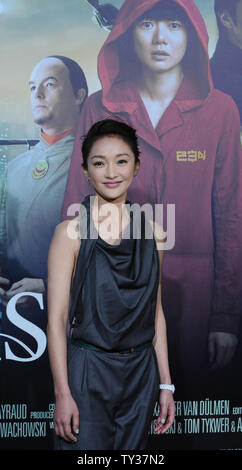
[192, 159]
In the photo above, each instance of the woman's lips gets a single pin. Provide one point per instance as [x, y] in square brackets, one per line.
[113, 185]
[159, 55]
[160, 52]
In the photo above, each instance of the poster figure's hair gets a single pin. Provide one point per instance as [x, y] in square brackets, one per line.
[165, 11]
[109, 127]
[77, 76]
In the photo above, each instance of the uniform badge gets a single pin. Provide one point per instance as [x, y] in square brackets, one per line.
[40, 169]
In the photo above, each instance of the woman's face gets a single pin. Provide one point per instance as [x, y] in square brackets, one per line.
[160, 45]
[111, 167]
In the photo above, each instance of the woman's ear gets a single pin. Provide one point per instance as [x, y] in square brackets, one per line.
[137, 167]
[85, 171]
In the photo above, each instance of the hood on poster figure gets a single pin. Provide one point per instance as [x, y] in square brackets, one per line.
[116, 62]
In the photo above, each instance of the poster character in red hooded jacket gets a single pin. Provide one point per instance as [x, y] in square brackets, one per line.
[155, 75]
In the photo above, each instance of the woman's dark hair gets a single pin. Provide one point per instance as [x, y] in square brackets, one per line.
[165, 11]
[110, 127]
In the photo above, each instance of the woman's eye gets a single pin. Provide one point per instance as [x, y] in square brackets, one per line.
[122, 161]
[98, 163]
[146, 24]
[175, 25]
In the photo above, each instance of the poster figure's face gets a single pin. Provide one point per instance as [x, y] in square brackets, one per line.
[52, 98]
[160, 45]
[111, 167]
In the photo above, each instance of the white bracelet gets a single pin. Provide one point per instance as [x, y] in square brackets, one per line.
[167, 387]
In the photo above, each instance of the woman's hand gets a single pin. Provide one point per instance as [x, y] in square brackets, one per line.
[66, 418]
[167, 412]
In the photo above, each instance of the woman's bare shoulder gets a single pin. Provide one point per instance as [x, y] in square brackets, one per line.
[67, 232]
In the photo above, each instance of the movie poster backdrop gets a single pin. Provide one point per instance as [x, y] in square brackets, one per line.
[30, 31]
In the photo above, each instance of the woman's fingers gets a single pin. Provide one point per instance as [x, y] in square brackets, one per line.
[75, 423]
[64, 431]
[163, 424]
[161, 420]
[68, 434]
[167, 413]
[66, 419]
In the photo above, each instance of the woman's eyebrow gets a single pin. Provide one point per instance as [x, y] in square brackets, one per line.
[117, 155]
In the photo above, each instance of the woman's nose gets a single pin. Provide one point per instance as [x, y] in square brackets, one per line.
[160, 34]
[110, 171]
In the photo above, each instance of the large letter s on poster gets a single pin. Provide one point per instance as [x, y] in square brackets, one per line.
[27, 326]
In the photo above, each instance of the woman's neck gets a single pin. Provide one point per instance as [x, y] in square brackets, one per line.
[111, 219]
[158, 90]
[160, 86]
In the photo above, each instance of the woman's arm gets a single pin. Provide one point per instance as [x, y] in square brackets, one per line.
[61, 262]
[166, 402]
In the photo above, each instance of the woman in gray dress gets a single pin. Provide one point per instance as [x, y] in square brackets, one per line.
[114, 367]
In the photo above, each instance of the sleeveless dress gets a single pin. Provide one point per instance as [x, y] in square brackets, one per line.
[112, 366]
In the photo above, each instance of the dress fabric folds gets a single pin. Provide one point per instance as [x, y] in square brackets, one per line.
[113, 308]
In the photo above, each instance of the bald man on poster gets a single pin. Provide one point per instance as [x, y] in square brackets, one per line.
[36, 179]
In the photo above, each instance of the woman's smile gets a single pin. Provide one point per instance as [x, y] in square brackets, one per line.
[113, 184]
